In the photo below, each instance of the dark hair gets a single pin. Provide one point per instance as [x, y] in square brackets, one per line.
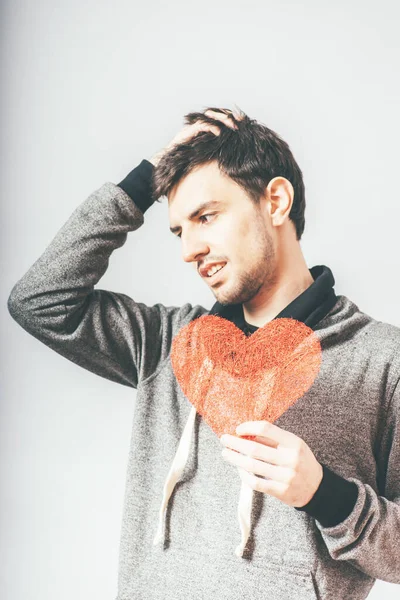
[252, 155]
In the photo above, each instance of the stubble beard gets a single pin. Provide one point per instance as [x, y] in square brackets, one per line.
[250, 282]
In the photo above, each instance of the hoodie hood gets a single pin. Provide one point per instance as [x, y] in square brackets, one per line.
[309, 307]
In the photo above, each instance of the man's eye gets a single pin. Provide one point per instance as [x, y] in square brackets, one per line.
[204, 216]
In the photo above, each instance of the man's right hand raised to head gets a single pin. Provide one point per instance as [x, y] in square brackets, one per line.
[193, 129]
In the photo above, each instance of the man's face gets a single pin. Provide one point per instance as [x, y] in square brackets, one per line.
[232, 231]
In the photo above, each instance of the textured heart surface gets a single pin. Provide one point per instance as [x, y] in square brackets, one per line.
[231, 378]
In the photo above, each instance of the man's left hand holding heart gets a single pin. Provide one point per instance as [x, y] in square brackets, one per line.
[292, 471]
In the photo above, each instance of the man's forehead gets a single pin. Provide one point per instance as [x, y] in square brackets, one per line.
[199, 180]
[197, 191]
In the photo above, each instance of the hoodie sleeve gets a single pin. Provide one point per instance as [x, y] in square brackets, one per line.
[369, 538]
[105, 332]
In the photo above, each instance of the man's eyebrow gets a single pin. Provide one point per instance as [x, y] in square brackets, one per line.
[195, 213]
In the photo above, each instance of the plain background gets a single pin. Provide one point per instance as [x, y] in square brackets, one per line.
[91, 88]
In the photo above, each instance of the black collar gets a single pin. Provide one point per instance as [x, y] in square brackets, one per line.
[309, 307]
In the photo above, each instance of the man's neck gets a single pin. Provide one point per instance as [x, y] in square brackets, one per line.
[265, 307]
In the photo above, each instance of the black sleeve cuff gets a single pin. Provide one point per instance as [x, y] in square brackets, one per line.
[333, 501]
[138, 185]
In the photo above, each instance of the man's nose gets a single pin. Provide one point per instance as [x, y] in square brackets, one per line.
[192, 248]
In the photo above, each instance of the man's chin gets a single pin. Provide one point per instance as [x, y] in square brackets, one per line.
[240, 297]
[226, 299]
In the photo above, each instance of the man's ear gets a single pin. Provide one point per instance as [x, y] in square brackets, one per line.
[279, 197]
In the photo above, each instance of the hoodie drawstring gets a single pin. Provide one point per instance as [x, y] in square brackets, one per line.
[175, 472]
[244, 514]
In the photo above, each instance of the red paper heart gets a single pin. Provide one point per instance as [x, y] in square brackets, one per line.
[231, 378]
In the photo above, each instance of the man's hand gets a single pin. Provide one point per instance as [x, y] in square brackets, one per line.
[292, 472]
[193, 129]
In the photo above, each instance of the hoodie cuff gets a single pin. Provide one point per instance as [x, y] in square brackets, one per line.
[138, 185]
[333, 501]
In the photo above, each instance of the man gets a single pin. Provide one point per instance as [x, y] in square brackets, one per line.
[309, 381]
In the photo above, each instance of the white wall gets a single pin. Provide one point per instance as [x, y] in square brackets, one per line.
[88, 90]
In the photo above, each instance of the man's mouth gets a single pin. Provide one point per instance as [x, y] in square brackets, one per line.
[214, 270]
[212, 274]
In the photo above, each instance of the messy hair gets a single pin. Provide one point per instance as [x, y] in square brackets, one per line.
[251, 155]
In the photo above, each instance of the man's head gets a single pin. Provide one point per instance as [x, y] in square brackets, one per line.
[257, 191]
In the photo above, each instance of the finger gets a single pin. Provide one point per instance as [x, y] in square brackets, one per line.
[220, 112]
[258, 467]
[224, 118]
[255, 450]
[266, 486]
[214, 113]
[215, 130]
[269, 431]
[207, 127]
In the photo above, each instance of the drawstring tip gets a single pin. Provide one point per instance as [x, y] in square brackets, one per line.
[158, 537]
[244, 514]
[239, 550]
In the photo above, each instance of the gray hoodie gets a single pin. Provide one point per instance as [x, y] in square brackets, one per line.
[185, 508]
